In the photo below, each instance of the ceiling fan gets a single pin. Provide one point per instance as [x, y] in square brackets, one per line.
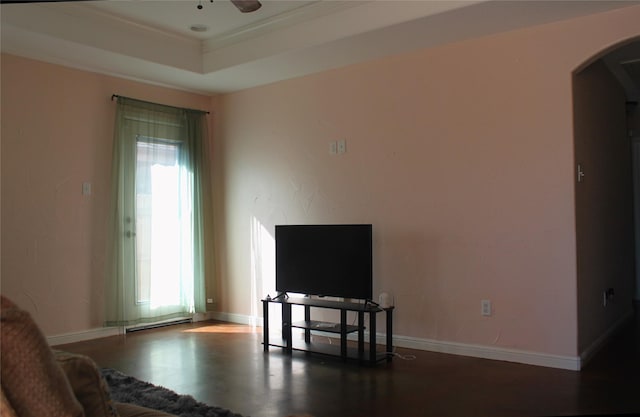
[245, 6]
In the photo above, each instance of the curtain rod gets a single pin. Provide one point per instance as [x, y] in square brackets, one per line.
[116, 96]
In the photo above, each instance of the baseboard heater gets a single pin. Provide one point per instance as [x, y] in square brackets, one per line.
[148, 326]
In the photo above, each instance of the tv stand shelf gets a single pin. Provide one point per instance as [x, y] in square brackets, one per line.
[322, 326]
[370, 355]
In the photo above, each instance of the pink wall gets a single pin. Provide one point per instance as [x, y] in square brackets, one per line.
[462, 158]
[57, 127]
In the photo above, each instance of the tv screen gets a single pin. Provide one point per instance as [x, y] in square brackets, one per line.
[325, 260]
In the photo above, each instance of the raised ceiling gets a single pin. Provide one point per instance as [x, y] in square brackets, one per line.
[152, 41]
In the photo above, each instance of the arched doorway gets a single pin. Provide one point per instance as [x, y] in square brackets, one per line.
[604, 90]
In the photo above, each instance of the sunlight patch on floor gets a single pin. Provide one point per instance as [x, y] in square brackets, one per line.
[224, 328]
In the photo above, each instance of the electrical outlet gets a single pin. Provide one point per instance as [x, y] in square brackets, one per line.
[333, 147]
[342, 146]
[485, 307]
[209, 300]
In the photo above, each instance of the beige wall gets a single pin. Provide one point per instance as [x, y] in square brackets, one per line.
[57, 127]
[461, 157]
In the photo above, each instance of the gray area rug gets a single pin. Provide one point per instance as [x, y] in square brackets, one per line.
[127, 389]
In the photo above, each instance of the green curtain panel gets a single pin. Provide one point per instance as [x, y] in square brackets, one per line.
[160, 224]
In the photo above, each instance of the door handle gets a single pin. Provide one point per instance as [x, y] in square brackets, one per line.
[580, 173]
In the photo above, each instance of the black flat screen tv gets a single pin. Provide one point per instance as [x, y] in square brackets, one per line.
[325, 260]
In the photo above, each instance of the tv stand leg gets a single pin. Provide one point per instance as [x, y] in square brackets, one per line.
[389, 334]
[343, 334]
[372, 338]
[307, 318]
[286, 327]
[360, 336]
[265, 325]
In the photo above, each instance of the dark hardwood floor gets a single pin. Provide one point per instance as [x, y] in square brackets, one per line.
[223, 364]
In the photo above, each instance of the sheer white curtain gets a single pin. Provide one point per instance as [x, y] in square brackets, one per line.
[160, 225]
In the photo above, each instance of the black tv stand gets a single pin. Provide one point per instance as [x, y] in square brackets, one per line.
[368, 356]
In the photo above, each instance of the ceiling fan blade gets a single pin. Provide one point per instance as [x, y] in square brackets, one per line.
[247, 6]
[37, 1]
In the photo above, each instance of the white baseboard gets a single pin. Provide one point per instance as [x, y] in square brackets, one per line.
[573, 363]
[236, 318]
[82, 336]
[63, 339]
[480, 351]
[200, 317]
[587, 354]
[489, 352]
[453, 348]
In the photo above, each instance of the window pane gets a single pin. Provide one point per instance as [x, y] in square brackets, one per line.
[157, 223]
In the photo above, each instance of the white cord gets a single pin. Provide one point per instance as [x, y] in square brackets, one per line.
[403, 357]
